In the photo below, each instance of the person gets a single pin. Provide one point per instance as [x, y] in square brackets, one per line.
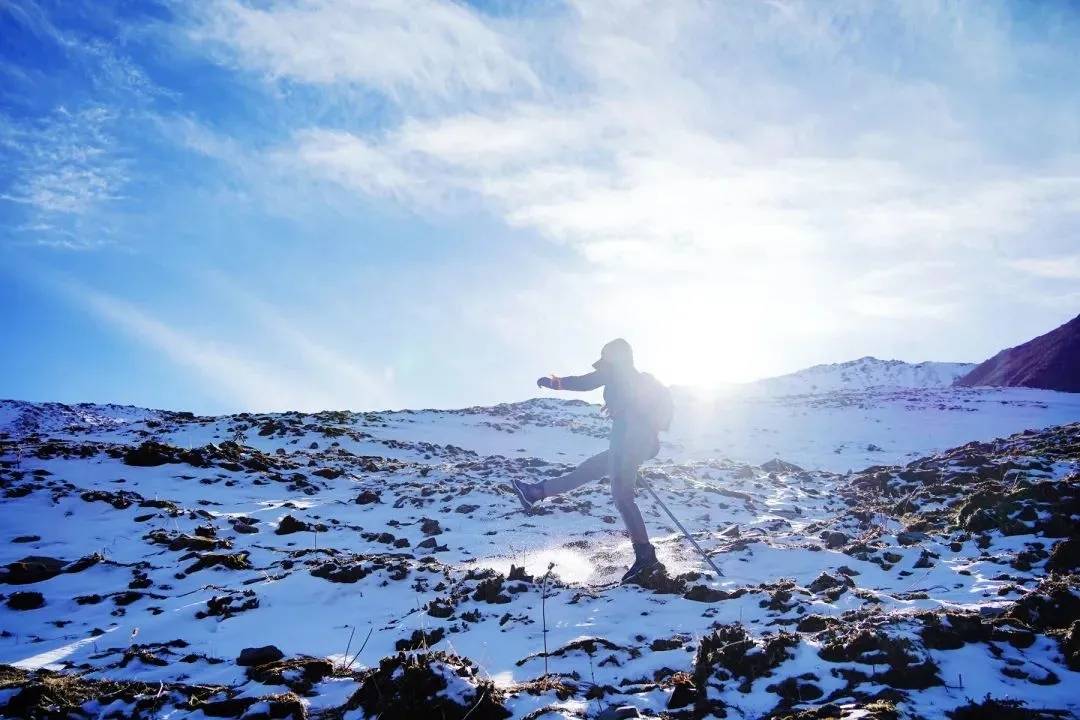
[639, 407]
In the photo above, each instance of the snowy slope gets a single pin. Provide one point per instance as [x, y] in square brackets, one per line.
[864, 373]
[145, 550]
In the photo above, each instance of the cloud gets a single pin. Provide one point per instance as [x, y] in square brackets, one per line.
[1066, 267]
[67, 162]
[417, 48]
[244, 371]
[780, 157]
[346, 380]
[239, 378]
[659, 146]
[66, 143]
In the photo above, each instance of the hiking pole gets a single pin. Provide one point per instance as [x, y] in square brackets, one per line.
[676, 521]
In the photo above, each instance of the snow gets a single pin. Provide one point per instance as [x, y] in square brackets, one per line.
[863, 374]
[432, 464]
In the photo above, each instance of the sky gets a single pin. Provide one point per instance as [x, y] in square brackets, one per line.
[304, 204]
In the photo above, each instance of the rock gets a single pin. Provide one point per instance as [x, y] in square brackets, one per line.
[252, 656]
[229, 561]
[518, 573]
[465, 508]
[341, 573]
[418, 685]
[730, 648]
[792, 691]
[440, 608]
[289, 525]
[367, 497]
[814, 623]
[490, 591]
[980, 521]
[1070, 646]
[835, 540]
[430, 527]
[31, 569]
[682, 694]
[911, 538]
[662, 644]
[420, 640]
[918, 676]
[704, 593]
[824, 582]
[780, 466]
[328, 473]
[26, 600]
[151, 454]
[1064, 556]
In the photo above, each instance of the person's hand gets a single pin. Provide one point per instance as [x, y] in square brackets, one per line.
[545, 382]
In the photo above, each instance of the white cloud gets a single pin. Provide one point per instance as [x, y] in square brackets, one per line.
[793, 152]
[662, 147]
[419, 47]
[65, 163]
[239, 378]
[243, 372]
[1066, 267]
[344, 378]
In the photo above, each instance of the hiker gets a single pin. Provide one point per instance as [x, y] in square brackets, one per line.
[640, 407]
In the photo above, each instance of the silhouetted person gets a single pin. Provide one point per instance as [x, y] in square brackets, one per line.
[639, 407]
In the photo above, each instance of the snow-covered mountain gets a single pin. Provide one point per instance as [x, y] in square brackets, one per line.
[348, 565]
[864, 373]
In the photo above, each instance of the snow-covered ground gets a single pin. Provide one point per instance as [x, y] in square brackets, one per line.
[341, 538]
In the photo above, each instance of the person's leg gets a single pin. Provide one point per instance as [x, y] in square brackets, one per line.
[592, 469]
[624, 470]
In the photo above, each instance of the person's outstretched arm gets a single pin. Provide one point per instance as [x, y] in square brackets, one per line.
[579, 383]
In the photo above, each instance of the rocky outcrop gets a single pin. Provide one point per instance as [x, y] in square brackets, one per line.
[1050, 361]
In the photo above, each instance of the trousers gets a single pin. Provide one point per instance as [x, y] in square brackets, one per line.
[628, 448]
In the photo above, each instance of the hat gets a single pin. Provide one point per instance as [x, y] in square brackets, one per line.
[616, 353]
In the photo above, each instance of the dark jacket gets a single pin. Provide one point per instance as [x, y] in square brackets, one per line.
[632, 434]
[619, 389]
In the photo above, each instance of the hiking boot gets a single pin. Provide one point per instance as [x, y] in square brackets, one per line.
[644, 562]
[528, 493]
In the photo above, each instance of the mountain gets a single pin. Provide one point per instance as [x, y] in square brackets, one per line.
[378, 564]
[864, 373]
[1050, 361]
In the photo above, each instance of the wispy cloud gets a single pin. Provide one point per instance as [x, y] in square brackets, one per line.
[67, 152]
[65, 163]
[1066, 267]
[702, 130]
[243, 371]
[416, 49]
[344, 377]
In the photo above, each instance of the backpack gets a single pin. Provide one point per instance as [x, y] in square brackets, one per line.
[654, 402]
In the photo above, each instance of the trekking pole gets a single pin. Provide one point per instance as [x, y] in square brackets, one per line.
[676, 521]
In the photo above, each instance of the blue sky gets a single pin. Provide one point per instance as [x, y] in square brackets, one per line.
[233, 205]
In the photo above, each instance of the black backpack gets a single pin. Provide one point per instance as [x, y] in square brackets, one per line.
[654, 402]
